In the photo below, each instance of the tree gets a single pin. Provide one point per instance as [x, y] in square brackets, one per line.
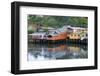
[57, 21]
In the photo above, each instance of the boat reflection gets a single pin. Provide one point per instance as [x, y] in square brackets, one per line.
[56, 51]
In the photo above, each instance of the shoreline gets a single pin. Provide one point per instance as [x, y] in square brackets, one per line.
[58, 41]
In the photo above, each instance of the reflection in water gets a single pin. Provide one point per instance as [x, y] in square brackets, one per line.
[56, 51]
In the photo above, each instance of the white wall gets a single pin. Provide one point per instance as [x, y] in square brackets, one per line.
[5, 27]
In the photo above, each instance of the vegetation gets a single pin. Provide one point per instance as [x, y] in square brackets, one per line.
[57, 21]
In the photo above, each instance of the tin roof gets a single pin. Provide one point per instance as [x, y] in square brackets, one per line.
[38, 33]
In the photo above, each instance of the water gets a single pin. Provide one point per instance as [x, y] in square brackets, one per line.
[56, 51]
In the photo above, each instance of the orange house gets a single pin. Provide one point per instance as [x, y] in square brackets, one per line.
[59, 36]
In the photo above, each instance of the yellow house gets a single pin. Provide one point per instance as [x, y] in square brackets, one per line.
[74, 36]
[77, 33]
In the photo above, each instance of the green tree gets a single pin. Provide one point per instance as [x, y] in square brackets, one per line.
[57, 21]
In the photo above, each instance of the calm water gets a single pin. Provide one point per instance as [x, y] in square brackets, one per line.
[56, 51]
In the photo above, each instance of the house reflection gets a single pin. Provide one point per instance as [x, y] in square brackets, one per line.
[56, 51]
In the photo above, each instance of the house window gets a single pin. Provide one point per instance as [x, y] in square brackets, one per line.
[86, 35]
[71, 34]
[49, 36]
[55, 33]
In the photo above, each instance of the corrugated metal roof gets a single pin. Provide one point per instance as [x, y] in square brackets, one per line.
[38, 33]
